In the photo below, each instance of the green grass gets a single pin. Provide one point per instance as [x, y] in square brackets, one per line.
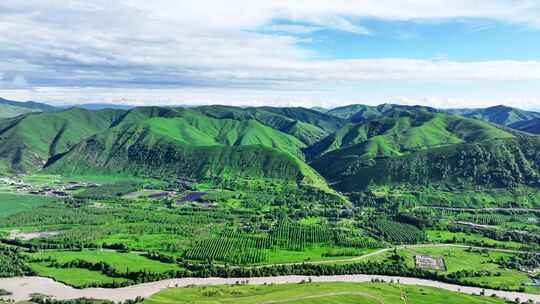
[148, 242]
[398, 135]
[462, 237]
[76, 277]
[315, 293]
[7, 111]
[11, 203]
[39, 179]
[457, 259]
[41, 135]
[312, 253]
[123, 262]
[312, 220]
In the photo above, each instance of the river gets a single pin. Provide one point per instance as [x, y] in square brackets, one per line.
[22, 287]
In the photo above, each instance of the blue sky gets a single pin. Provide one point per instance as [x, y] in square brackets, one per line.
[443, 53]
[461, 40]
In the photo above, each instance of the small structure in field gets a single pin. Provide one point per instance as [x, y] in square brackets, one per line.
[426, 261]
[192, 196]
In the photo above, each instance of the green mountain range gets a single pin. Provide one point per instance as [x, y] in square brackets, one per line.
[355, 147]
[503, 163]
[360, 113]
[28, 141]
[307, 125]
[9, 108]
[163, 142]
[349, 148]
[530, 126]
[501, 115]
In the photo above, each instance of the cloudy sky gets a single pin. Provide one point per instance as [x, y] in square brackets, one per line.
[445, 53]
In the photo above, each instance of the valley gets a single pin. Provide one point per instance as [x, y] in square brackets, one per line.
[270, 152]
[111, 199]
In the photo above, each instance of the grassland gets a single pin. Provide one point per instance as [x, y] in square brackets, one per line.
[29, 141]
[114, 268]
[76, 277]
[463, 237]
[315, 293]
[123, 262]
[11, 203]
[462, 259]
[314, 254]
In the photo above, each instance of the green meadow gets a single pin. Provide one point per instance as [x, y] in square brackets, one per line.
[316, 293]
[11, 203]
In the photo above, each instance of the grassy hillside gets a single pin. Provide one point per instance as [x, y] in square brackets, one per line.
[7, 111]
[501, 115]
[268, 142]
[9, 108]
[404, 132]
[27, 142]
[307, 125]
[503, 163]
[530, 126]
[423, 149]
[321, 120]
[359, 113]
[179, 142]
[11, 203]
[348, 111]
[30, 105]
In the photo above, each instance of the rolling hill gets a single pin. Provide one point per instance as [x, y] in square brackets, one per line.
[7, 111]
[504, 163]
[501, 115]
[402, 145]
[307, 125]
[529, 126]
[164, 142]
[28, 141]
[354, 151]
[9, 108]
[359, 113]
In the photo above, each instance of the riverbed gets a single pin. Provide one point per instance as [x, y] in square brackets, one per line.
[22, 287]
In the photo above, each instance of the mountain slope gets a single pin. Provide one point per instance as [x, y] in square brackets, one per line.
[501, 115]
[307, 125]
[164, 142]
[359, 113]
[7, 111]
[102, 106]
[530, 126]
[403, 132]
[26, 142]
[358, 146]
[490, 164]
[346, 112]
[9, 108]
[318, 119]
[31, 105]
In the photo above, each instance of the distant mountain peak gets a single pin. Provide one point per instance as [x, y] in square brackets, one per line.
[28, 105]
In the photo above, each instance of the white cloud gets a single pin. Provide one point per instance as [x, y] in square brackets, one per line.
[19, 81]
[167, 44]
[292, 28]
[460, 97]
[247, 13]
